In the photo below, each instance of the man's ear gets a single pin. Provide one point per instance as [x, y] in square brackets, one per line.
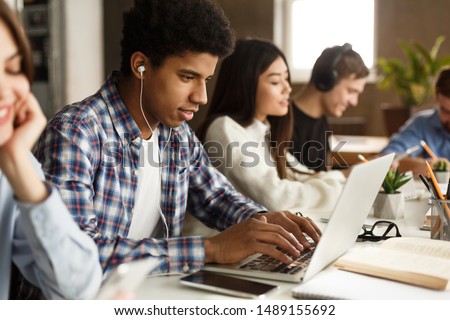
[138, 64]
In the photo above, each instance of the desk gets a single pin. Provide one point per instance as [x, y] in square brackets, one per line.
[347, 147]
[168, 287]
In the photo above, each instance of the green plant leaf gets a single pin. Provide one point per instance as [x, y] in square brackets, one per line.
[437, 46]
[394, 180]
[440, 165]
[413, 80]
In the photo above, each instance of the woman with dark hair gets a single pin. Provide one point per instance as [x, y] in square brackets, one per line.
[248, 128]
[38, 238]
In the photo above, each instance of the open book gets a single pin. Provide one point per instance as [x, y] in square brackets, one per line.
[417, 261]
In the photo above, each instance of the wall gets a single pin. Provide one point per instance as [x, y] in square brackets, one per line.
[83, 48]
[12, 3]
[247, 20]
[422, 20]
[112, 33]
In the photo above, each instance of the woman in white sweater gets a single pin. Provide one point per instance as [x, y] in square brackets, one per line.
[248, 129]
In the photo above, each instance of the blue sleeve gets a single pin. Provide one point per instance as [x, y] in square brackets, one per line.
[52, 252]
[408, 136]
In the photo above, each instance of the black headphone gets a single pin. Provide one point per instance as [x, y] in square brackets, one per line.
[326, 75]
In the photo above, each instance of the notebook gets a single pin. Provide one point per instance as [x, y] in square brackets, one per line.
[334, 284]
[348, 216]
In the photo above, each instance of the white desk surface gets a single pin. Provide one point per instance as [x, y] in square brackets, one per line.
[359, 144]
[168, 287]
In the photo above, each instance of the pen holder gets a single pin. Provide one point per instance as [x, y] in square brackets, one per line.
[442, 176]
[440, 219]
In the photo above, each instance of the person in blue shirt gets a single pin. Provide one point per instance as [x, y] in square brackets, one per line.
[431, 126]
[40, 244]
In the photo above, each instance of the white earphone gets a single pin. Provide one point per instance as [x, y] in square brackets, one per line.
[141, 69]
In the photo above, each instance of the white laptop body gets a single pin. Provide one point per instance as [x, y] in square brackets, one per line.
[342, 230]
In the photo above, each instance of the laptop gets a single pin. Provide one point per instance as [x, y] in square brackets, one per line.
[342, 230]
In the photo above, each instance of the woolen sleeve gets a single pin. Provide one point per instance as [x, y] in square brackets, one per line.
[250, 169]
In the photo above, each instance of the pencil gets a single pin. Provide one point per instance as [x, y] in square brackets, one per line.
[408, 151]
[428, 150]
[362, 158]
[435, 183]
[439, 193]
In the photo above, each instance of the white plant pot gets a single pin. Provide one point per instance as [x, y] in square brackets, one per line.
[389, 206]
[442, 176]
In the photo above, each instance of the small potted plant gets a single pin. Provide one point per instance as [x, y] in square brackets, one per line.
[390, 202]
[440, 170]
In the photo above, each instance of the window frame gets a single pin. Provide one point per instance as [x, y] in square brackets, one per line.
[282, 34]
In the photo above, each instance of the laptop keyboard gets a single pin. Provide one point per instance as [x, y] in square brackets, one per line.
[269, 264]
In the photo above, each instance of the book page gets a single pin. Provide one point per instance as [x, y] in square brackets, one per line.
[429, 247]
[337, 284]
[407, 267]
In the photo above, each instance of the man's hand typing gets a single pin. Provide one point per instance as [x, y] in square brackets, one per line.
[266, 233]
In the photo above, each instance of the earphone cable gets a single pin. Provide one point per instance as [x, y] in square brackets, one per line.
[140, 103]
[163, 218]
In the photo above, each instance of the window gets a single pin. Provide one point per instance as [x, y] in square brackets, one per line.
[303, 28]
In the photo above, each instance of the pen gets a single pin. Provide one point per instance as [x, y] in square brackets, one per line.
[425, 182]
[408, 151]
[432, 189]
[362, 158]
[428, 150]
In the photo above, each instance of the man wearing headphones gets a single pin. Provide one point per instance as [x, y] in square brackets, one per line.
[338, 78]
[127, 154]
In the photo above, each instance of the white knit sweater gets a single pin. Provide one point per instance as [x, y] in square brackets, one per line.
[245, 160]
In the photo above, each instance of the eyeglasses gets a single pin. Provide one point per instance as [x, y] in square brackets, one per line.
[380, 230]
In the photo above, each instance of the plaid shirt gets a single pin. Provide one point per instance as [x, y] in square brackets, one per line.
[90, 151]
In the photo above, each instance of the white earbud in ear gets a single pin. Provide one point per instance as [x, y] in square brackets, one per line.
[141, 69]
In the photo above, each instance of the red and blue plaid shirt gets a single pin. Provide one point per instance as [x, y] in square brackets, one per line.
[90, 151]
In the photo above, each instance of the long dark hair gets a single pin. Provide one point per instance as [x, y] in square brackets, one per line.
[235, 94]
[21, 40]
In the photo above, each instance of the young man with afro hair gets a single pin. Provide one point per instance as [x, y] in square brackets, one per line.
[127, 154]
